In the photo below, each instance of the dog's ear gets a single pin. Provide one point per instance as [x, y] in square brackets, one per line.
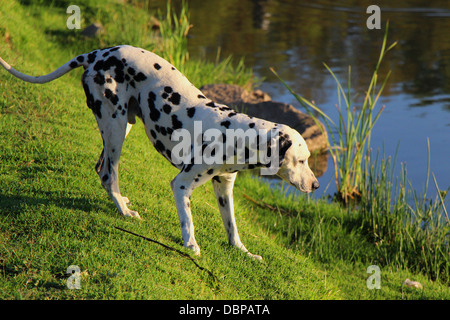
[284, 143]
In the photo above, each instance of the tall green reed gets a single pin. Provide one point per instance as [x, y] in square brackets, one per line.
[174, 30]
[172, 44]
[407, 228]
[353, 134]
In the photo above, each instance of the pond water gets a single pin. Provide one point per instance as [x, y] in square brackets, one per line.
[297, 37]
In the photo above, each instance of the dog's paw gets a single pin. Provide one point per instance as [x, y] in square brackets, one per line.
[131, 213]
[195, 248]
[254, 256]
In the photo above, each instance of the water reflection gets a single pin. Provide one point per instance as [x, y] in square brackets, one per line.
[296, 37]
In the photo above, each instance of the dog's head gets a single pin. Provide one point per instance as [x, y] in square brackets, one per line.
[294, 167]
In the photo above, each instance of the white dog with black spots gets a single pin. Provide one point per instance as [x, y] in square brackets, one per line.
[123, 82]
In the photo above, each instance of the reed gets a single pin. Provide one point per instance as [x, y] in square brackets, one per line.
[352, 139]
[172, 44]
[174, 30]
[407, 228]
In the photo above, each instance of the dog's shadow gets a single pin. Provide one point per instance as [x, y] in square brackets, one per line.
[12, 205]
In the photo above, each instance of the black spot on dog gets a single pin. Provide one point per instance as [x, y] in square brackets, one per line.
[201, 96]
[199, 139]
[251, 125]
[182, 187]
[168, 89]
[163, 131]
[175, 98]
[176, 124]
[154, 113]
[99, 65]
[109, 162]
[153, 133]
[216, 179]
[211, 104]
[110, 63]
[247, 153]
[284, 144]
[99, 78]
[118, 64]
[105, 177]
[80, 58]
[188, 167]
[105, 54]
[73, 64]
[232, 114]
[111, 96]
[160, 146]
[165, 95]
[225, 124]
[191, 112]
[97, 107]
[210, 171]
[140, 77]
[222, 201]
[167, 109]
[92, 56]
[131, 71]
[157, 66]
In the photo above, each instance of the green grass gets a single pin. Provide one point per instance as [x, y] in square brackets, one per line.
[54, 212]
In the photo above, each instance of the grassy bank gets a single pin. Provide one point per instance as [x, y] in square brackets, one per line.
[54, 212]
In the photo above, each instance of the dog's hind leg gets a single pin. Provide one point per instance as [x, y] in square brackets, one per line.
[223, 189]
[113, 133]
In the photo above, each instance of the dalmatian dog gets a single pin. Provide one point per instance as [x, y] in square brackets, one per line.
[125, 82]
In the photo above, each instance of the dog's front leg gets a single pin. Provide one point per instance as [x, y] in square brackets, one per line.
[223, 189]
[182, 188]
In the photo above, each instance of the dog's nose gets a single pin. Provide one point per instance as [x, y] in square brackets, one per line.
[315, 185]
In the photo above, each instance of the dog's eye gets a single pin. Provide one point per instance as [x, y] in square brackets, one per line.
[302, 161]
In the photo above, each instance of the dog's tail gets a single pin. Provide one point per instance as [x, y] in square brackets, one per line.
[69, 66]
